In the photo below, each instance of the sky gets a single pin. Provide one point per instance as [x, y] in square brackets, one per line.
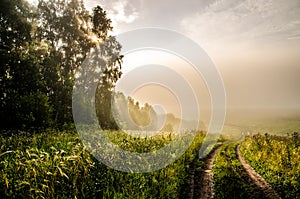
[255, 44]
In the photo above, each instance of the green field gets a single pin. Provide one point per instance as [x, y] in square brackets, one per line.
[277, 160]
[57, 165]
[274, 126]
[229, 181]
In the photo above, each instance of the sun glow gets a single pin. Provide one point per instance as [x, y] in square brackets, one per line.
[94, 39]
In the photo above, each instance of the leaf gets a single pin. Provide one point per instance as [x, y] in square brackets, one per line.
[7, 152]
[6, 180]
[62, 173]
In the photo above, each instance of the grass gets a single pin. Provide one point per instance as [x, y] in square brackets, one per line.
[277, 159]
[275, 126]
[228, 178]
[57, 165]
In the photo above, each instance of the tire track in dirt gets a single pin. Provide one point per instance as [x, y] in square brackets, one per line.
[262, 186]
[201, 186]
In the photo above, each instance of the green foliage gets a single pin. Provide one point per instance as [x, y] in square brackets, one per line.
[277, 159]
[14, 29]
[70, 31]
[139, 145]
[41, 50]
[45, 166]
[228, 178]
[56, 165]
[23, 103]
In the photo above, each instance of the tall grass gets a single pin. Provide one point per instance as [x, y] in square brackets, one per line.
[229, 181]
[277, 159]
[57, 165]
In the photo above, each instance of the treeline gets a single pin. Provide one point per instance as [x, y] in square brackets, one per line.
[130, 115]
[41, 50]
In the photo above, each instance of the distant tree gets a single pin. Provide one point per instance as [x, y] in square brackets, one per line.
[131, 116]
[168, 128]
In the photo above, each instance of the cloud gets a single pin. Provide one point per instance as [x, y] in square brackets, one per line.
[154, 13]
[227, 21]
[123, 12]
[254, 43]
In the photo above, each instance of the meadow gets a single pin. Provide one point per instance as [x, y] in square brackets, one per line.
[57, 165]
[277, 160]
[229, 180]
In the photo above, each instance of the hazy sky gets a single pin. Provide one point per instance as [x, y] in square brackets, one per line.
[255, 44]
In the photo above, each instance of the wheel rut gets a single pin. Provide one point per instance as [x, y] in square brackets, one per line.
[201, 179]
[201, 185]
[263, 188]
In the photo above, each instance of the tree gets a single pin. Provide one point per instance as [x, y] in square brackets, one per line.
[22, 101]
[41, 50]
[71, 33]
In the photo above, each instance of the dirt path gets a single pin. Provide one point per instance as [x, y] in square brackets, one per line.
[201, 186]
[262, 186]
[201, 181]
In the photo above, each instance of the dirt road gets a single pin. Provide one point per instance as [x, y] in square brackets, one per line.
[201, 179]
[201, 186]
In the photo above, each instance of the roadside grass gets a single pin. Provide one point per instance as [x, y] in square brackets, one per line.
[277, 160]
[228, 179]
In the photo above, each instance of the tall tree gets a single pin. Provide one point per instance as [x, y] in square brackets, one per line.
[22, 101]
[71, 33]
[41, 49]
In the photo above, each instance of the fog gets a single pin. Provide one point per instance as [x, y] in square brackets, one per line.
[254, 44]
